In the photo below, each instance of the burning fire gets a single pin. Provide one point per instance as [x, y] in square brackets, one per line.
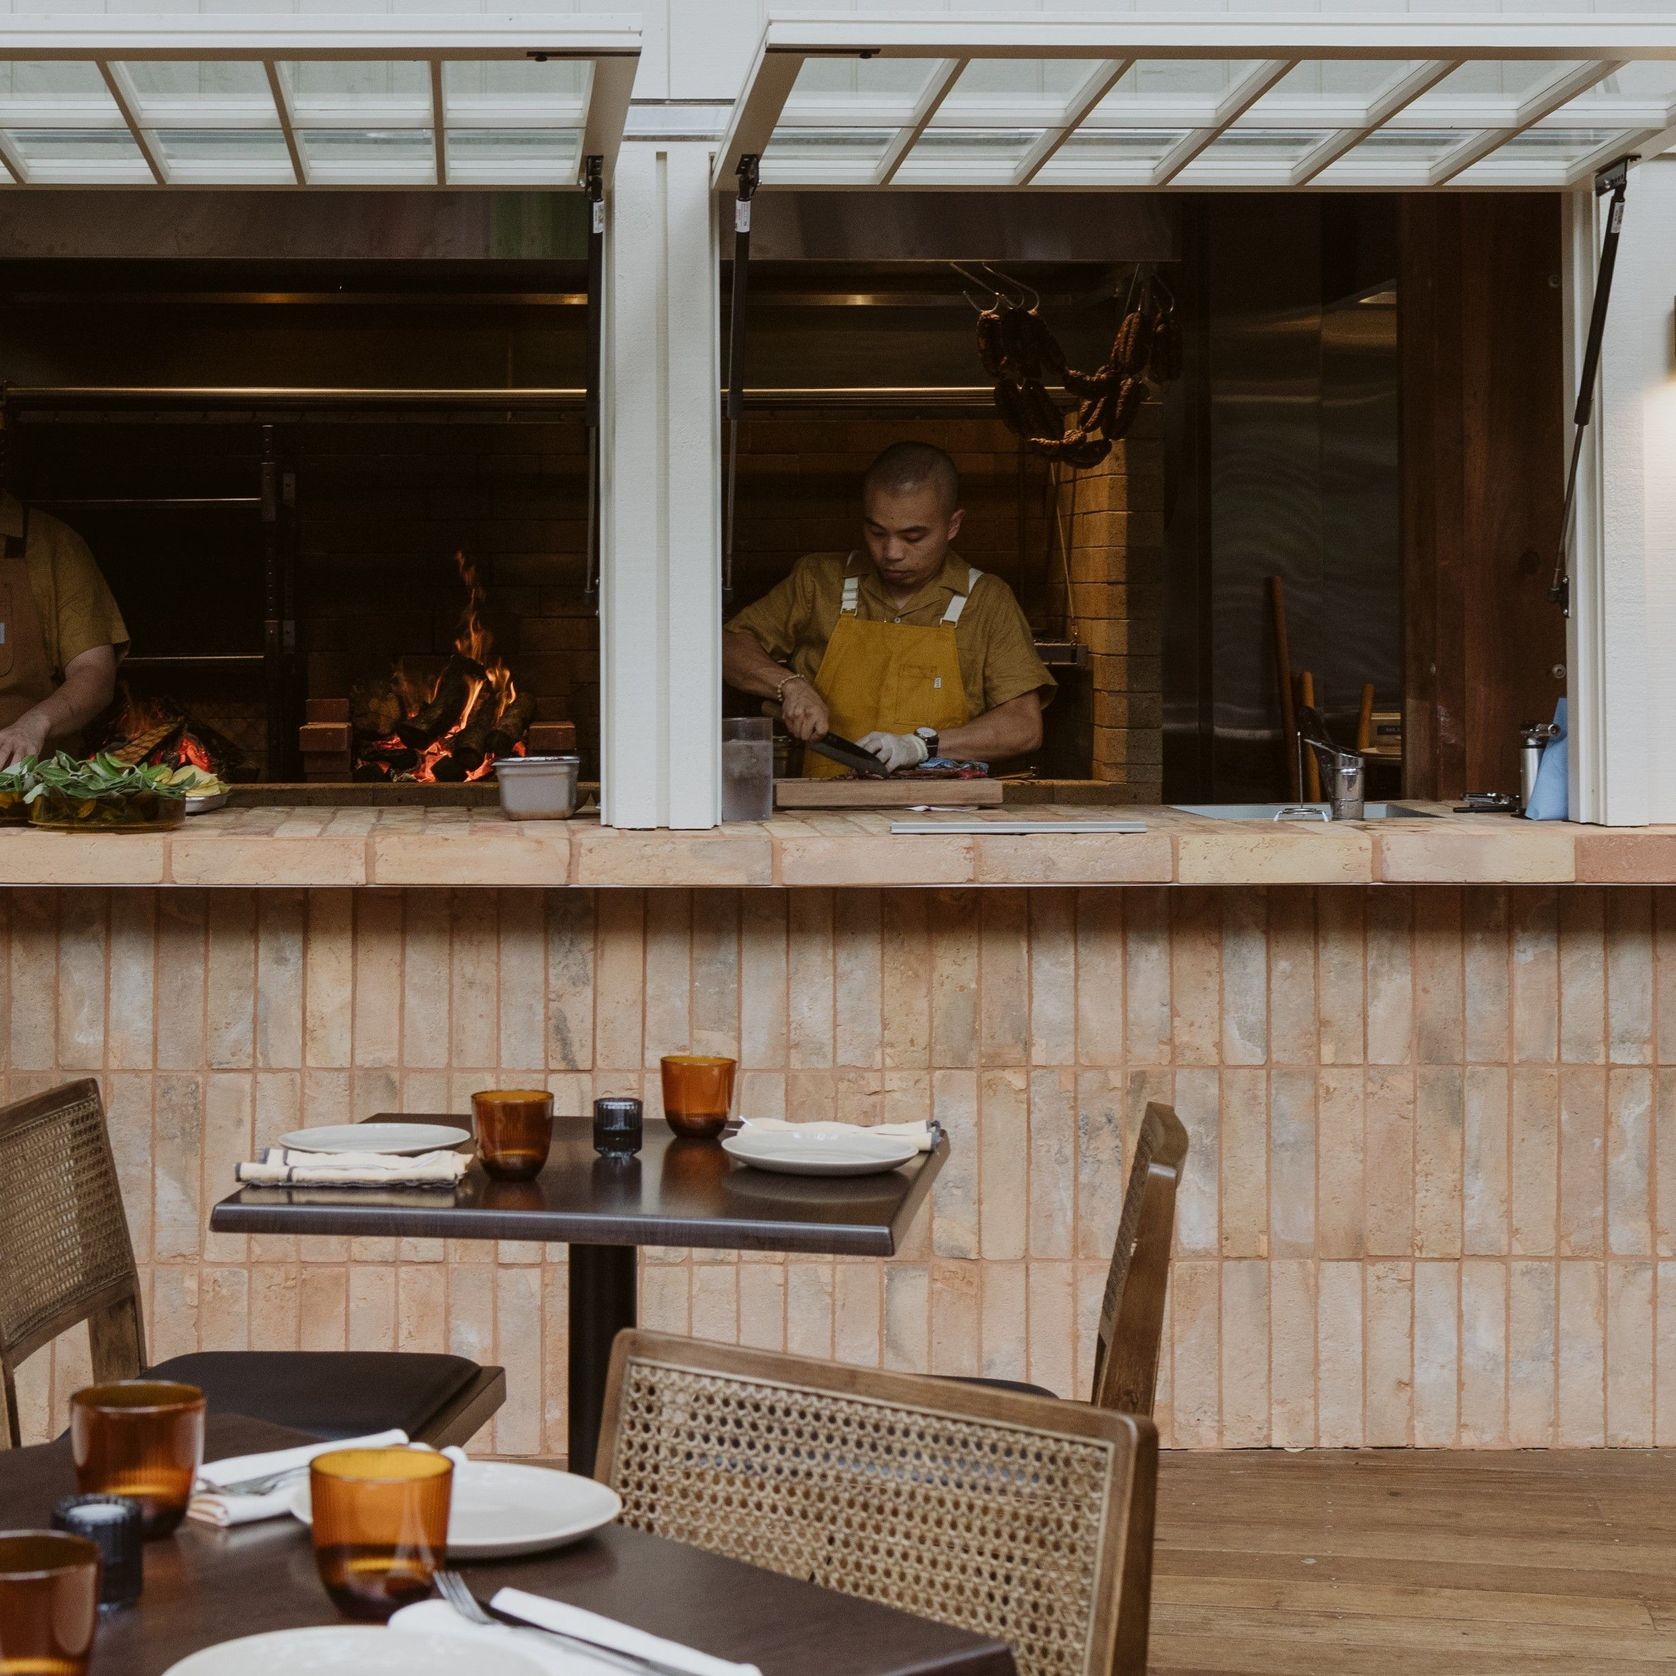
[146, 730]
[489, 698]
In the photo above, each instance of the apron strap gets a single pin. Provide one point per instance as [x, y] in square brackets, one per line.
[958, 603]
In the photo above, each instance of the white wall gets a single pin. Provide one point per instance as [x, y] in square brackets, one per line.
[1624, 647]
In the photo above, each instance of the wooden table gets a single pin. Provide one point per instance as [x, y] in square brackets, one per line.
[204, 1585]
[674, 1192]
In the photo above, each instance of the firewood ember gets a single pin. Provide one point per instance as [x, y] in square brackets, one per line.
[367, 773]
[453, 693]
[140, 745]
[468, 747]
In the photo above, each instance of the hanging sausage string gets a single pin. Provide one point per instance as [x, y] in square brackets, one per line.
[1020, 353]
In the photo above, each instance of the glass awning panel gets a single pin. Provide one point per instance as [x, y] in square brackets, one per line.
[340, 99]
[1405, 101]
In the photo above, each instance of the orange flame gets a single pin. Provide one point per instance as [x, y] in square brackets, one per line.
[474, 639]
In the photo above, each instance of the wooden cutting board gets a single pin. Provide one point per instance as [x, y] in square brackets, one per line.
[884, 794]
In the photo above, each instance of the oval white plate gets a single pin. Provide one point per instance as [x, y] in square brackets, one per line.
[501, 1509]
[402, 1138]
[825, 1153]
[351, 1650]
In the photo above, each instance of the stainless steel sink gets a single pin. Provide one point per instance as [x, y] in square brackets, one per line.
[1297, 811]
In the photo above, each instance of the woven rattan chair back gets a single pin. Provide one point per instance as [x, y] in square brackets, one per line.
[1020, 1517]
[1132, 1312]
[65, 1255]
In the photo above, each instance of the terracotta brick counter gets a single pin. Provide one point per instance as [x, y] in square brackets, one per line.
[334, 848]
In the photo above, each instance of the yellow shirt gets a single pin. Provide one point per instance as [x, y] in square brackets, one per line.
[793, 621]
[72, 599]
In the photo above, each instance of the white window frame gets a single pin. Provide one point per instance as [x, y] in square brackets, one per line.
[1272, 46]
[110, 41]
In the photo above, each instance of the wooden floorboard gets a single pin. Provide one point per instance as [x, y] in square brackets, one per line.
[1375, 1562]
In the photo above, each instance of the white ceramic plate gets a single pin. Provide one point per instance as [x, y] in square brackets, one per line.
[501, 1509]
[403, 1138]
[352, 1650]
[829, 1150]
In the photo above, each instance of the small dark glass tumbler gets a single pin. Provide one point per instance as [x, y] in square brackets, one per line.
[380, 1520]
[49, 1603]
[618, 1125]
[514, 1131]
[142, 1439]
[112, 1525]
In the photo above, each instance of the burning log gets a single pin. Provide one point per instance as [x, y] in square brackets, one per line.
[512, 725]
[376, 706]
[467, 748]
[453, 693]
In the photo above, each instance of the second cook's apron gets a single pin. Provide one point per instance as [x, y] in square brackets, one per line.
[26, 676]
[881, 677]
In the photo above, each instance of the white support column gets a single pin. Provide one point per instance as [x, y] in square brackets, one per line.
[1623, 639]
[660, 568]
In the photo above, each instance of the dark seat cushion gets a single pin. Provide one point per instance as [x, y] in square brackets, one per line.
[1001, 1384]
[331, 1393]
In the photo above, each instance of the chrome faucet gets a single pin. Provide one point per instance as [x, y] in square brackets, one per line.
[1341, 771]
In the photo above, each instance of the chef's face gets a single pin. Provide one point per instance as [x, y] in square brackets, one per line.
[908, 532]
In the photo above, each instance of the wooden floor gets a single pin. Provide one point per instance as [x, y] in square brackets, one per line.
[1340, 1563]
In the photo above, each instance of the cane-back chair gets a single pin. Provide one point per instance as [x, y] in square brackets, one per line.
[1020, 1517]
[66, 1257]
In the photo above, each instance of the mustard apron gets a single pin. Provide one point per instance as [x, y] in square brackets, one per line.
[889, 677]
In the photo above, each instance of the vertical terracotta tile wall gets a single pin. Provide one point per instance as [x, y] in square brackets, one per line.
[1432, 1198]
[1111, 525]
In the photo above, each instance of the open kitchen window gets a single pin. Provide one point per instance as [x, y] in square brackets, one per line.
[1341, 485]
[300, 337]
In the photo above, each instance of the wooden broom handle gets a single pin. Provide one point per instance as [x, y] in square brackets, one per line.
[1283, 677]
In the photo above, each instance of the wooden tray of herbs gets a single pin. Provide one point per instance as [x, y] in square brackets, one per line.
[99, 794]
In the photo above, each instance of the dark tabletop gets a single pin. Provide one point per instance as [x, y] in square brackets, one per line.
[204, 1585]
[680, 1193]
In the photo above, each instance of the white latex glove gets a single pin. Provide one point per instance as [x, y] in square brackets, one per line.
[896, 750]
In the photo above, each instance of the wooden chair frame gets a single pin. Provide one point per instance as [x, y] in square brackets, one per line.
[111, 1307]
[115, 1326]
[1132, 1312]
[1116, 1636]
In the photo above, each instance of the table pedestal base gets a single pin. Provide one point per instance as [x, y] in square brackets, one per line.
[603, 1280]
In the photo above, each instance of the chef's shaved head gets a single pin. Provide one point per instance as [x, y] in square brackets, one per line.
[906, 466]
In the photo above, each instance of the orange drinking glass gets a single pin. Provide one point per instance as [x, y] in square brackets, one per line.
[49, 1603]
[140, 1438]
[380, 1526]
[514, 1131]
[697, 1093]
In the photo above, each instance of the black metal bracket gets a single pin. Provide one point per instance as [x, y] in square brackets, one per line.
[749, 179]
[1613, 180]
[593, 182]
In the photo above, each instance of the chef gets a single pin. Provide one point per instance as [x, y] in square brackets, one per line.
[61, 635]
[899, 645]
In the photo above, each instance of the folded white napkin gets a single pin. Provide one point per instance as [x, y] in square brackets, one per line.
[287, 1167]
[923, 1135]
[435, 1617]
[211, 1506]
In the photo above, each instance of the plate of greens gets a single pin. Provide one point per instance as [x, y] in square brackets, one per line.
[103, 793]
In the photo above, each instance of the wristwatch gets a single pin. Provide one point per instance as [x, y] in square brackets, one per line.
[928, 737]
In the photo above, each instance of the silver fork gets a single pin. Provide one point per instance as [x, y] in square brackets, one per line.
[252, 1486]
[457, 1592]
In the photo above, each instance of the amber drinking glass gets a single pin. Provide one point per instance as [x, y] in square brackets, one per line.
[49, 1603]
[697, 1093]
[380, 1526]
[514, 1131]
[140, 1438]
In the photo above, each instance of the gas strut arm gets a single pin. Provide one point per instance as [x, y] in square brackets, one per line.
[1614, 178]
[736, 356]
[593, 180]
